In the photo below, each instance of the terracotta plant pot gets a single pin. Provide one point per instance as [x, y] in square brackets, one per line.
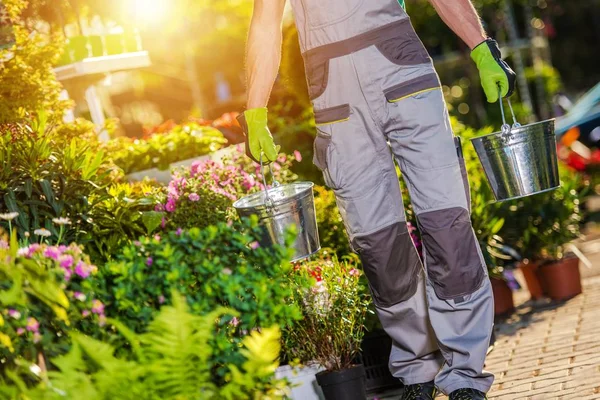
[562, 278]
[503, 297]
[534, 285]
[347, 384]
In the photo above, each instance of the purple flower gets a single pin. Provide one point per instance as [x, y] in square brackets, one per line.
[14, 313]
[62, 248]
[194, 197]
[161, 299]
[32, 325]
[149, 261]
[97, 307]
[170, 206]
[20, 331]
[159, 207]
[178, 231]
[297, 155]
[52, 252]
[163, 223]
[68, 274]
[137, 243]
[254, 245]
[85, 313]
[66, 261]
[234, 321]
[82, 270]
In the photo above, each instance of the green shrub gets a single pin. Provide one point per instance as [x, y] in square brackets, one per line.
[170, 360]
[27, 81]
[119, 216]
[45, 175]
[203, 194]
[219, 265]
[332, 232]
[162, 149]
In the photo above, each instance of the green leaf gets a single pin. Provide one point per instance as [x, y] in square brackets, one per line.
[28, 187]
[152, 220]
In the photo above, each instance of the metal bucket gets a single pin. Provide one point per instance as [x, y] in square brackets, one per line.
[280, 207]
[520, 160]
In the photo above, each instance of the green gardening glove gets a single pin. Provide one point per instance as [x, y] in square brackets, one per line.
[493, 71]
[258, 137]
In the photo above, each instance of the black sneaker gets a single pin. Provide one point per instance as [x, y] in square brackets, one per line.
[419, 391]
[467, 394]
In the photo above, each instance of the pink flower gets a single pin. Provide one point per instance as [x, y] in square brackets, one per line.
[170, 206]
[66, 261]
[68, 274]
[20, 331]
[157, 238]
[149, 261]
[97, 307]
[178, 231]
[194, 197]
[33, 248]
[52, 252]
[14, 313]
[163, 223]
[82, 270]
[161, 299]
[234, 321]
[354, 272]
[62, 248]
[254, 245]
[37, 337]
[137, 243]
[102, 320]
[32, 325]
[159, 207]
[282, 158]
[297, 155]
[85, 313]
[79, 296]
[276, 166]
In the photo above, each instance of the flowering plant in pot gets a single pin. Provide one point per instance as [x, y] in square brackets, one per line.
[541, 226]
[334, 308]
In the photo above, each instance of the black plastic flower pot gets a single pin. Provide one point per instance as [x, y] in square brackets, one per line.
[347, 384]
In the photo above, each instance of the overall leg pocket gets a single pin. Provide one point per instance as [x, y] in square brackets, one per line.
[324, 149]
[454, 266]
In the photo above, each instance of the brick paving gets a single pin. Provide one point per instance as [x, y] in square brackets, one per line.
[548, 350]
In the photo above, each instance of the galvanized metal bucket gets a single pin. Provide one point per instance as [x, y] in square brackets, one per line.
[520, 160]
[280, 207]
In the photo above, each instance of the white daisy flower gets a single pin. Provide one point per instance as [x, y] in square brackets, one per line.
[9, 216]
[42, 232]
[61, 221]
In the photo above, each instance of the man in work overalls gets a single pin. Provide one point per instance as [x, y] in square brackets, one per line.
[376, 97]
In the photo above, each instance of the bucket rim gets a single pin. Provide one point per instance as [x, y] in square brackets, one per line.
[520, 196]
[309, 185]
[519, 129]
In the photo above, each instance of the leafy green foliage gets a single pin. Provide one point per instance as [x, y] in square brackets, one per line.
[160, 150]
[125, 213]
[332, 233]
[203, 194]
[334, 307]
[27, 82]
[540, 226]
[44, 293]
[170, 361]
[219, 265]
[46, 175]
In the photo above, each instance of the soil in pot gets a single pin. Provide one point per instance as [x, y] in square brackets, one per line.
[347, 384]
[503, 297]
[562, 279]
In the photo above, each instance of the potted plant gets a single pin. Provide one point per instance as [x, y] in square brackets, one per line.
[541, 226]
[334, 306]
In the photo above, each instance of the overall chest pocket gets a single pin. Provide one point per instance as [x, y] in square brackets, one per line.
[320, 13]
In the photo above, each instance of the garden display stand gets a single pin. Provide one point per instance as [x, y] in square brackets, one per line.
[303, 381]
[89, 72]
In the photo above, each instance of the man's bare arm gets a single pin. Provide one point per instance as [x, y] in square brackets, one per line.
[263, 51]
[462, 18]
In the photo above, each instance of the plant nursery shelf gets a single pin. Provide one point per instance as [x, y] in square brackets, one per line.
[103, 65]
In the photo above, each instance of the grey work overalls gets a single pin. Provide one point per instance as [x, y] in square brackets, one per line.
[374, 88]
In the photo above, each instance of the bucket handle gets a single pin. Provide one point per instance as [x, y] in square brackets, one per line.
[268, 201]
[505, 127]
